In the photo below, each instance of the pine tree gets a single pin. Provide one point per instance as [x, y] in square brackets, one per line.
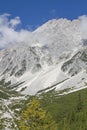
[35, 118]
[79, 104]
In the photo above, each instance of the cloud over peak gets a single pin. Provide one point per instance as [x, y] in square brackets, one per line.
[83, 25]
[9, 33]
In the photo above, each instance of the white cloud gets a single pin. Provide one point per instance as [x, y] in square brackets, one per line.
[83, 25]
[8, 33]
[14, 22]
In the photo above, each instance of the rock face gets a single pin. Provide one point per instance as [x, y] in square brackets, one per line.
[55, 53]
[77, 63]
[21, 58]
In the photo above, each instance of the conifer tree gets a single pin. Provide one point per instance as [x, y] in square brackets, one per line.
[79, 103]
[35, 118]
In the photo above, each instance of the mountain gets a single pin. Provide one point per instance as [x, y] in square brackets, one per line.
[54, 58]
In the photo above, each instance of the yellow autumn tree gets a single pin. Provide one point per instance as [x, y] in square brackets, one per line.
[35, 118]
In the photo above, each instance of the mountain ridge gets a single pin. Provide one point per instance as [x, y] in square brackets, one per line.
[40, 63]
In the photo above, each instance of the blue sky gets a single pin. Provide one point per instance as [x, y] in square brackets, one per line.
[36, 12]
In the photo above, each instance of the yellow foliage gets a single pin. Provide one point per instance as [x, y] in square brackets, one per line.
[35, 118]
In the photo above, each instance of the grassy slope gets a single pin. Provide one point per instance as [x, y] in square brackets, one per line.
[62, 107]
